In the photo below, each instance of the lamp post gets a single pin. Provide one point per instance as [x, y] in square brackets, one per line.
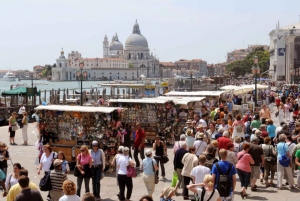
[191, 77]
[81, 75]
[255, 72]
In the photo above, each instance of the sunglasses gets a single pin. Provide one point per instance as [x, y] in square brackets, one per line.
[82, 150]
[95, 145]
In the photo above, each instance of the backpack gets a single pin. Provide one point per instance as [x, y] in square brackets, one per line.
[224, 185]
[248, 129]
[45, 183]
[284, 160]
[217, 116]
[239, 128]
[210, 163]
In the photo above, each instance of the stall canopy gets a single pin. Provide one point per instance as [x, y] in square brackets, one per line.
[195, 93]
[180, 100]
[77, 108]
[150, 100]
[259, 86]
[17, 91]
[229, 87]
[242, 90]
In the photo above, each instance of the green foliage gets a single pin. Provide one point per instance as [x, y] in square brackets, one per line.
[131, 65]
[47, 71]
[244, 66]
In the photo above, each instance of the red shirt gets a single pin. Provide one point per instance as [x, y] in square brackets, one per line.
[277, 101]
[264, 134]
[223, 142]
[140, 134]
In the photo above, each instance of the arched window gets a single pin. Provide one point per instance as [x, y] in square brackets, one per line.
[142, 55]
[59, 64]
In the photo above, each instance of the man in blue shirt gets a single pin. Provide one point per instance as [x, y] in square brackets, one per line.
[224, 165]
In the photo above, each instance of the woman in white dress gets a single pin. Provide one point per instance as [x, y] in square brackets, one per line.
[287, 107]
[281, 112]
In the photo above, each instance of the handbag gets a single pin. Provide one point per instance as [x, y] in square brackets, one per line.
[131, 171]
[164, 159]
[155, 175]
[14, 127]
[276, 114]
[76, 170]
[271, 159]
[174, 179]
[45, 183]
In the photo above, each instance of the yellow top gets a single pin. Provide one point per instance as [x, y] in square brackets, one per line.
[16, 190]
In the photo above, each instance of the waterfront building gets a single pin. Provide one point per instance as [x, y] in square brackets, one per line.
[127, 63]
[37, 70]
[285, 53]
[197, 66]
[168, 69]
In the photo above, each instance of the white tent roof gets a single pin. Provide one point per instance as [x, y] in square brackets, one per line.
[194, 93]
[181, 100]
[150, 100]
[76, 108]
[229, 87]
[259, 86]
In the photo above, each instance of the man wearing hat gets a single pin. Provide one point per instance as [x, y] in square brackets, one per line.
[200, 144]
[167, 193]
[200, 129]
[188, 126]
[57, 178]
[257, 154]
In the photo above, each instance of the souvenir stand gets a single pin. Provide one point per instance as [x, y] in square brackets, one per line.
[67, 128]
[150, 113]
[185, 108]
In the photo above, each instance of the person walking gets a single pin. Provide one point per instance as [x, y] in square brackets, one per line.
[269, 168]
[189, 161]
[149, 168]
[84, 164]
[12, 132]
[27, 193]
[182, 138]
[98, 159]
[57, 178]
[198, 172]
[283, 150]
[4, 156]
[12, 178]
[264, 114]
[46, 161]
[238, 127]
[25, 128]
[205, 189]
[177, 162]
[69, 189]
[160, 149]
[231, 157]
[287, 107]
[139, 145]
[122, 162]
[243, 168]
[281, 112]
[200, 144]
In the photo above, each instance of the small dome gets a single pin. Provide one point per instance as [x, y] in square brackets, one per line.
[116, 45]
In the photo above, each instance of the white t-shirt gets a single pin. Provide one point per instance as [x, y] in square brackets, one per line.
[47, 161]
[199, 172]
[278, 129]
[70, 198]
[122, 163]
[207, 194]
[200, 147]
[10, 181]
[21, 110]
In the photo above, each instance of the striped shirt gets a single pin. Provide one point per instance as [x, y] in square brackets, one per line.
[57, 179]
[292, 126]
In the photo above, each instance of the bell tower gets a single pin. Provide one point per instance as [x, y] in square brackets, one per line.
[105, 47]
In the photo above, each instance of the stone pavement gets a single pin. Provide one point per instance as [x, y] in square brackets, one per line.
[26, 156]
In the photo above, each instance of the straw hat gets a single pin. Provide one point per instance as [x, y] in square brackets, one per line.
[168, 190]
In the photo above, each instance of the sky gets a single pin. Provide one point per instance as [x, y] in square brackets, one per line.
[33, 32]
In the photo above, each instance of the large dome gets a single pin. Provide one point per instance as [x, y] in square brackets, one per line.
[116, 45]
[136, 38]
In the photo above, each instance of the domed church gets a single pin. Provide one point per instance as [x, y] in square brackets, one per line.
[136, 52]
[117, 63]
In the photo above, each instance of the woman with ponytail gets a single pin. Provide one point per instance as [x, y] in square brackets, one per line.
[69, 189]
[206, 189]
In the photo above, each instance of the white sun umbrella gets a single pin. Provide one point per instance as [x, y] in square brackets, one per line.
[259, 86]
[228, 87]
[242, 90]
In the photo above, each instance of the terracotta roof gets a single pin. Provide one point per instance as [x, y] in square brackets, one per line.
[103, 59]
[171, 64]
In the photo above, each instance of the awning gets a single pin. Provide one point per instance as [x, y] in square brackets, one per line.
[77, 108]
[181, 100]
[150, 100]
[194, 93]
[16, 91]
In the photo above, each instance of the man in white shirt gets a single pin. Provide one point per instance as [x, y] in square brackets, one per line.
[203, 120]
[198, 173]
[200, 144]
[21, 110]
[279, 128]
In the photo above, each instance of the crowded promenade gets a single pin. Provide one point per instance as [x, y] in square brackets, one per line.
[26, 156]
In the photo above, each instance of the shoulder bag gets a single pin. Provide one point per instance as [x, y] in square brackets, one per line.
[155, 175]
[271, 159]
[76, 171]
[52, 166]
[131, 172]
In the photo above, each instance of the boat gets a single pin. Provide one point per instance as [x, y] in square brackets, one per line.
[9, 76]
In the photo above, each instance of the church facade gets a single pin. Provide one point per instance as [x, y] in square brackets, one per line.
[120, 63]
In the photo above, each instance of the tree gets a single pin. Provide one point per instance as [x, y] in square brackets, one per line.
[244, 66]
[131, 65]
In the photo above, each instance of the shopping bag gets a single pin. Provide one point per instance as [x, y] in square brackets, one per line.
[174, 179]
